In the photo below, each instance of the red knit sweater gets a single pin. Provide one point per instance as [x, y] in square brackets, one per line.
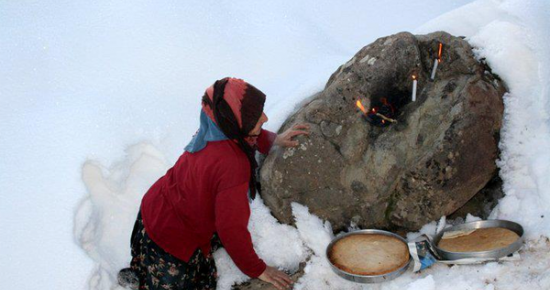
[203, 193]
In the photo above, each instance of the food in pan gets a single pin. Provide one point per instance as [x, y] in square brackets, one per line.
[478, 240]
[369, 254]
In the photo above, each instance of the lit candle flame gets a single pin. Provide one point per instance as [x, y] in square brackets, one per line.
[440, 51]
[414, 77]
[360, 106]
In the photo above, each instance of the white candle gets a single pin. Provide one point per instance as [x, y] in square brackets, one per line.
[436, 61]
[414, 88]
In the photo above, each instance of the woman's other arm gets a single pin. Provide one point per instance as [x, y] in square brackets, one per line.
[267, 139]
[232, 215]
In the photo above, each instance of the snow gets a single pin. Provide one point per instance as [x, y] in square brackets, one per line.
[98, 99]
[426, 283]
[105, 219]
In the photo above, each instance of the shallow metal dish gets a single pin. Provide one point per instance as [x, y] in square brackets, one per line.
[367, 278]
[493, 254]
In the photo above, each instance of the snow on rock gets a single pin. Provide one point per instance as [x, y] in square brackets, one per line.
[315, 233]
[512, 36]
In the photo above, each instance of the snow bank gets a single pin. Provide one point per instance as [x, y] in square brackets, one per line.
[105, 219]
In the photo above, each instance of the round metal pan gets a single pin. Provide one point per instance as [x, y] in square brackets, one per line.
[493, 254]
[367, 278]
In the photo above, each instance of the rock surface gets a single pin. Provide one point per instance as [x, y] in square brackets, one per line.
[438, 155]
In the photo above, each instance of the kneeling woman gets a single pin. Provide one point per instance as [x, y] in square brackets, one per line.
[205, 196]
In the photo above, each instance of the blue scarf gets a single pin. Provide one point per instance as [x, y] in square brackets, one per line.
[208, 131]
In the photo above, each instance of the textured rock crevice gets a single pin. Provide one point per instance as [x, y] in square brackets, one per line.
[438, 155]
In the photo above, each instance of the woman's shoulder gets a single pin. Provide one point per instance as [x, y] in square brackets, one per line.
[227, 152]
[231, 166]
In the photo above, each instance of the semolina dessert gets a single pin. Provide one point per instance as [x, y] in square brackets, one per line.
[478, 240]
[369, 254]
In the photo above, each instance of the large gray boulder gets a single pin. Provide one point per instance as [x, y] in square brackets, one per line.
[438, 155]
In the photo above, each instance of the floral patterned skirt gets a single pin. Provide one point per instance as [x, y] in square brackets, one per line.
[157, 269]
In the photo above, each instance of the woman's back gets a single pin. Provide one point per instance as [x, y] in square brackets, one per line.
[179, 209]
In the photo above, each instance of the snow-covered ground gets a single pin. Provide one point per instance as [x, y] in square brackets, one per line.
[98, 99]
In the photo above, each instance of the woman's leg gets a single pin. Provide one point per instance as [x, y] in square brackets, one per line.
[128, 277]
[201, 273]
[158, 269]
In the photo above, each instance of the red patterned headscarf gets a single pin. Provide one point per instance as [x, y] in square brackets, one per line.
[236, 106]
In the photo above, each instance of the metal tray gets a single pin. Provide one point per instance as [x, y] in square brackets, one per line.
[493, 254]
[367, 278]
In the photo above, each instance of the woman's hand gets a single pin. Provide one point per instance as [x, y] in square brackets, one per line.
[280, 280]
[285, 139]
